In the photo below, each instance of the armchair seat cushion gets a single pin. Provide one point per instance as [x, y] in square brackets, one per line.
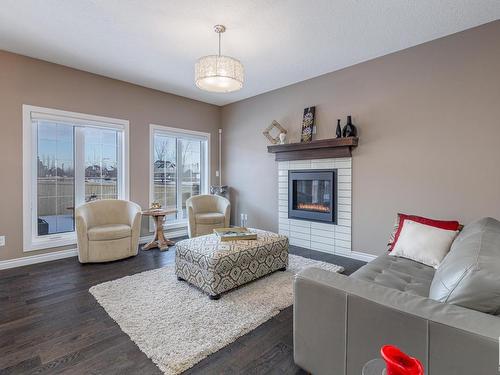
[210, 218]
[109, 232]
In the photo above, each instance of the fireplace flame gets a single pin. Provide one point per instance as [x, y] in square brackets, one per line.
[313, 207]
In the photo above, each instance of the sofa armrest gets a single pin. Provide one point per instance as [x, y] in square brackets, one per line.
[319, 329]
[446, 338]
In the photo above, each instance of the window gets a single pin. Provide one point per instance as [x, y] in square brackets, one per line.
[69, 159]
[179, 169]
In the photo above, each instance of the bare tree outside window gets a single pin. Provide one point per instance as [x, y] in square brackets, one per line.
[176, 172]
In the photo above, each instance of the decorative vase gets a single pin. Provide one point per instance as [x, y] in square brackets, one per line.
[399, 363]
[338, 132]
[282, 138]
[349, 130]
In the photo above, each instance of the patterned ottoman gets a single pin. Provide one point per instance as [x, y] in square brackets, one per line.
[216, 267]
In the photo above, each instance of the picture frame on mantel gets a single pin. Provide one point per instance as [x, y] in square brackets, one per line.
[277, 128]
[307, 125]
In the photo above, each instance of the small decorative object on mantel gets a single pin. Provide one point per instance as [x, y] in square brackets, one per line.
[307, 124]
[155, 205]
[282, 137]
[274, 128]
[349, 130]
[338, 132]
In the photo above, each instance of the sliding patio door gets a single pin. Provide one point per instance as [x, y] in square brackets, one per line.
[72, 161]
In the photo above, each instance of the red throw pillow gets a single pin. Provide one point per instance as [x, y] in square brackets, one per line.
[442, 224]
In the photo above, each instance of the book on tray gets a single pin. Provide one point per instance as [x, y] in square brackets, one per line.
[235, 234]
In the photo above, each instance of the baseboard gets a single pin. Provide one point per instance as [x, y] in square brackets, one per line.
[33, 259]
[352, 254]
[171, 234]
[357, 255]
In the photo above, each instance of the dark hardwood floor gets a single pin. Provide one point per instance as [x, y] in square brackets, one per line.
[51, 324]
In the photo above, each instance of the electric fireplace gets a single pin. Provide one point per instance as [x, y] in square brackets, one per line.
[312, 195]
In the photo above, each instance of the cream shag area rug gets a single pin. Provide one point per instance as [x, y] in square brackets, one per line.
[177, 326]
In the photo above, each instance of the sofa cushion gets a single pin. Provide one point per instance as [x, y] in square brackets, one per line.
[210, 218]
[423, 243]
[469, 275]
[398, 273]
[109, 232]
[400, 218]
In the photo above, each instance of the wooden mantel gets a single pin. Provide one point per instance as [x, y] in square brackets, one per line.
[321, 149]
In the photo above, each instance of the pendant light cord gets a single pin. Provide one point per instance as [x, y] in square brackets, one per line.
[219, 43]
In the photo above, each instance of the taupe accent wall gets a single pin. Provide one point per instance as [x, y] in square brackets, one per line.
[28, 81]
[429, 128]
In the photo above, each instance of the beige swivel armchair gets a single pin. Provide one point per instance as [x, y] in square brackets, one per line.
[206, 212]
[107, 230]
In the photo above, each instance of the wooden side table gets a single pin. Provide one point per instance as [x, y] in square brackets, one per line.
[159, 239]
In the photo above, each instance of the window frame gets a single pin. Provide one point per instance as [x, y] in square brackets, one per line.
[180, 133]
[31, 240]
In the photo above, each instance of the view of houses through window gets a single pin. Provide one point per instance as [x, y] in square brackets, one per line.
[179, 171]
[101, 164]
[75, 164]
[56, 178]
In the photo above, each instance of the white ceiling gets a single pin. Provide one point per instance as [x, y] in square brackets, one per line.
[155, 43]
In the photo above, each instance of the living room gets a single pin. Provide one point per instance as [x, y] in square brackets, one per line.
[253, 187]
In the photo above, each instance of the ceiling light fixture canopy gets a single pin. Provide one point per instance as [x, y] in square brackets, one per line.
[219, 73]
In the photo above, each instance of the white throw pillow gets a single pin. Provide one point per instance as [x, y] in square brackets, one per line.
[423, 243]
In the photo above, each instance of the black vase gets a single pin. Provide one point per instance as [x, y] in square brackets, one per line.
[339, 129]
[349, 130]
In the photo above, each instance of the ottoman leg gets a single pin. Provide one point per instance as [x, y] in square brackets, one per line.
[282, 269]
[216, 297]
[180, 278]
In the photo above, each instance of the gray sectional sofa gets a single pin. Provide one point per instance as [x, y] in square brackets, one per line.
[448, 318]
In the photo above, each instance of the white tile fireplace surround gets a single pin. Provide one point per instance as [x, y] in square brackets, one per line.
[329, 238]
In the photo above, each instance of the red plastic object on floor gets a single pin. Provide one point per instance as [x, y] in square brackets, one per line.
[399, 363]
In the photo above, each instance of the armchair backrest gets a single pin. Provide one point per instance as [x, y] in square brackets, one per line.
[207, 203]
[107, 211]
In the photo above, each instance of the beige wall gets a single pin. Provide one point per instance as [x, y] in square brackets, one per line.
[429, 127]
[428, 118]
[28, 81]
